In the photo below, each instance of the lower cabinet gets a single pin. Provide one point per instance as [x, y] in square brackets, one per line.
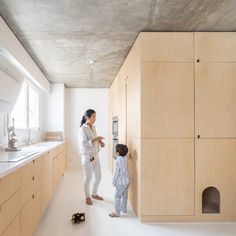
[26, 192]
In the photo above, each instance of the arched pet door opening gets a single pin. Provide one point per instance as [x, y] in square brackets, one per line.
[211, 201]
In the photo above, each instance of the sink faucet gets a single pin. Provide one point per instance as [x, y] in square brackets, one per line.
[11, 138]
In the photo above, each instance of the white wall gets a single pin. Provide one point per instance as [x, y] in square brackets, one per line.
[77, 102]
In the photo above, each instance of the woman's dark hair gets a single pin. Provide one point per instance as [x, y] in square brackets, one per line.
[122, 149]
[88, 113]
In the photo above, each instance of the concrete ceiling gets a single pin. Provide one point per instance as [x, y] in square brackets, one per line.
[83, 43]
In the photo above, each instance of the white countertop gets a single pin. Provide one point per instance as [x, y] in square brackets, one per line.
[39, 149]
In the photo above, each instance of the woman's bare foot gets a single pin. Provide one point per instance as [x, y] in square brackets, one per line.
[89, 201]
[97, 197]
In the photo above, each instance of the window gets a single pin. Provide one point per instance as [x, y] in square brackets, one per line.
[33, 112]
[26, 109]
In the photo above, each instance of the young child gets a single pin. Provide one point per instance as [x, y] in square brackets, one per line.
[121, 180]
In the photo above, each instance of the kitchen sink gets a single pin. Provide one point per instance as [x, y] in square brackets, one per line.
[17, 156]
[43, 144]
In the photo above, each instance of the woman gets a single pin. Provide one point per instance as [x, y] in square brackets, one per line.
[89, 144]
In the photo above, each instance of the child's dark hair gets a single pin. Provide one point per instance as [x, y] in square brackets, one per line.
[88, 113]
[122, 149]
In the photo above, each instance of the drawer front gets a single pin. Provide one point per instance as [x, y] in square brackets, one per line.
[29, 189]
[9, 210]
[31, 214]
[14, 228]
[29, 171]
[9, 185]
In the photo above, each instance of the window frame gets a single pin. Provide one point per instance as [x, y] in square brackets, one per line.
[29, 85]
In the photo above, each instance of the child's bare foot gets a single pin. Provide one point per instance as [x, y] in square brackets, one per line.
[89, 201]
[112, 214]
[97, 197]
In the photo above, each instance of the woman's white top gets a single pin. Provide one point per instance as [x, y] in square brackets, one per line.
[85, 137]
[121, 175]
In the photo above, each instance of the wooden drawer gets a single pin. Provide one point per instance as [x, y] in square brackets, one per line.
[30, 188]
[31, 214]
[30, 171]
[9, 185]
[14, 228]
[9, 210]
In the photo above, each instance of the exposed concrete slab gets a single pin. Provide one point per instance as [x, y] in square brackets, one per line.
[63, 36]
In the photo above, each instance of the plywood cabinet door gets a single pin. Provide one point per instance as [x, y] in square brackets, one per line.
[166, 46]
[215, 99]
[30, 214]
[215, 166]
[14, 228]
[9, 185]
[215, 46]
[167, 100]
[56, 171]
[167, 170]
[47, 183]
[9, 210]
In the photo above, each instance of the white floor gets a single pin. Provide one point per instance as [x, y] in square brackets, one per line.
[69, 199]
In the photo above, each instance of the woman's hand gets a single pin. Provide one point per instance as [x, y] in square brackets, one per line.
[102, 144]
[98, 139]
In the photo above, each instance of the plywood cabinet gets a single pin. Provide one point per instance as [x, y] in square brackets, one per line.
[215, 46]
[167, 177]
[9, 199]
[166, 47]
[26, 192]
[31, 179]
[215, 95]
[167, 100]
[215, 167]
[31, 214]
[59, 164]
[47, 179]
[9, 185]
[9, 210]
[31, 196]
[181, 125]
[14, 228]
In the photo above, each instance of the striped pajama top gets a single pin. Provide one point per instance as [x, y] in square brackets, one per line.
[121, 175]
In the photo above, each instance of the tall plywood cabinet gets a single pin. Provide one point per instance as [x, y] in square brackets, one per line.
[179, 121]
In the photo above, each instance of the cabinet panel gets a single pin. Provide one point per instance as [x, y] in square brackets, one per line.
[164, 47]
[215, 100]
[9, 185]
[9, 210]
[167, 177]
[14, 228]
[47, 179]
[30, 214]
[56, 172]
[133, 102]
[29, 171]
[167, 100]
[215, 166]
[215, 46]
[134, 158]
